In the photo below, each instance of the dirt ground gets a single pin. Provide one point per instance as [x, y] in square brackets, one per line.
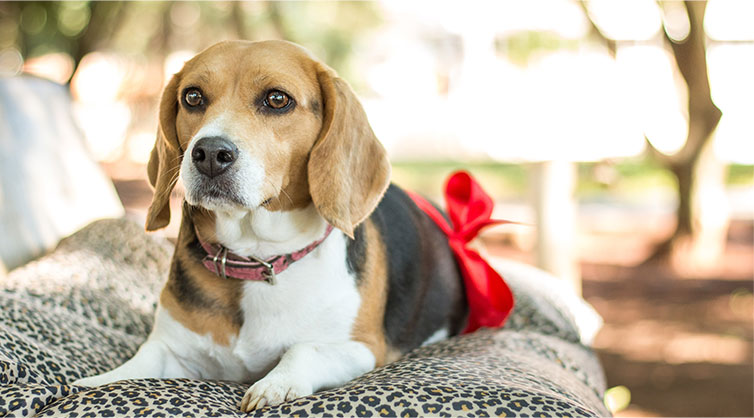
[682, 346]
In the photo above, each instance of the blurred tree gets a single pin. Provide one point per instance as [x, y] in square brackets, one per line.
[693, 165]
[703, 117]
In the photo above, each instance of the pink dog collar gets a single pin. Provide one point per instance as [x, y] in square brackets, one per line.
[226, 264]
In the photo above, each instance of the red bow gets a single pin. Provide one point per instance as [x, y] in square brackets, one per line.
[469, 208]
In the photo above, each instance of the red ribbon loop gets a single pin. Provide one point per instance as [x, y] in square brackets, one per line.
[469, 209]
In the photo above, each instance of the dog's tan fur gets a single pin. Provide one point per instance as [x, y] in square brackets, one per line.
[373, 289]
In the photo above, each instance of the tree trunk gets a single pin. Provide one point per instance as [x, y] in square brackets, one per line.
[703, 117]
[684, 174]
[553, 188]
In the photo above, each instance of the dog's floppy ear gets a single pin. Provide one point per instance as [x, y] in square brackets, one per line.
[348, 168]
[165, 160]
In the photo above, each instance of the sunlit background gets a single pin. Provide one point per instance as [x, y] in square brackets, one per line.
[575, 116]
[471, 81]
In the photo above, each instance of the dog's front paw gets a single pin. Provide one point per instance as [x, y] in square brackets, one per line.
[274, 390]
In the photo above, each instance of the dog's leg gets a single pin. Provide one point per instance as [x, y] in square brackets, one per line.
[306, 368]
[153, 359]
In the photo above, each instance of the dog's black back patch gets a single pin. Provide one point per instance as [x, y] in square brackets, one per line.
[425, 289]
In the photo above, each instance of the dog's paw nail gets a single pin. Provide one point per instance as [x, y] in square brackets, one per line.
[247, 404]
[292, 395]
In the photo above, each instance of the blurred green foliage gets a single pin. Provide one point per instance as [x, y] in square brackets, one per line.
[634, 176]
[330, 29]
[504, 181]
[521, 47]
[740, 174]
[37, 28]
[630, 178]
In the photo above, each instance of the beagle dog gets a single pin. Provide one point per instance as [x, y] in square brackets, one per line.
[298, 266]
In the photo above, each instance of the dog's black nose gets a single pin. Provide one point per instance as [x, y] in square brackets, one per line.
[213, 155]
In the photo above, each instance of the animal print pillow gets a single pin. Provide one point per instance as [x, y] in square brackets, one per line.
[87, 306]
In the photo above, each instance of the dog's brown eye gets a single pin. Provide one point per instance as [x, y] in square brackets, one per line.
[193, 97]
[277, 99]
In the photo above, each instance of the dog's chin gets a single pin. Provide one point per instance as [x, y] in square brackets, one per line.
[222, 201]
[218, 200]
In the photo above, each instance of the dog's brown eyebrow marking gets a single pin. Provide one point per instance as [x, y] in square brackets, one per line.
[197, 79]
[262, 79]
[315, 107]
[201, 76]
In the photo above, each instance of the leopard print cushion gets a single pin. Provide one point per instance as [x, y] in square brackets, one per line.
[86, 307]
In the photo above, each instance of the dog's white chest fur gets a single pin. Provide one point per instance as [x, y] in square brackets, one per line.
[314, 300]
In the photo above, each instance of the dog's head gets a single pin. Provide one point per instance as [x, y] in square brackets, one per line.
[263, 124]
